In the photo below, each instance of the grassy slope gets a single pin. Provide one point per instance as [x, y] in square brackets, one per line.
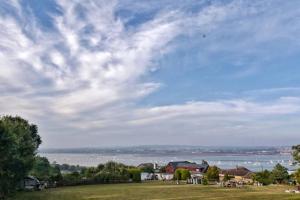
[158, 191]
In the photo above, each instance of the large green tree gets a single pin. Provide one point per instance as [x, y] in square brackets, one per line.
[264, 177]
[213, 173]
[182, 174]
[19, 141]
[43, 170]
[280, 174]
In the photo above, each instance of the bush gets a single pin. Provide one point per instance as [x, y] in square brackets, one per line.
[265, 177]
[185, 174]
[182, 174]
[205, 181]
[135, 175]
[177, 174]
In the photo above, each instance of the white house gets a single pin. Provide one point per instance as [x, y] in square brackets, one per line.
[164, 176]
[147, 176]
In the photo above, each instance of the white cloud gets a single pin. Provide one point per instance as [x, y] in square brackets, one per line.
[85, 75]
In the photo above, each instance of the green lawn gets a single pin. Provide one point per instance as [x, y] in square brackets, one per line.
[158, 191]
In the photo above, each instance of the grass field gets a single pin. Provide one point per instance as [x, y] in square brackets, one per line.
[158, 191]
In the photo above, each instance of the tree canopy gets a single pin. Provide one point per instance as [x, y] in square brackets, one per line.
[43, 170]
[280, 173]
[182, 174]
[264, 177]
[213, 173]
[296, 153]
[19, 141]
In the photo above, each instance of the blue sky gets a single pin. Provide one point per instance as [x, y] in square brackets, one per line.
[99, 73]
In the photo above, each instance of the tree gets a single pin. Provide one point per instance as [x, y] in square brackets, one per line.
[147, 169]
[204, 181]
[177, 174]
[185, 174]
[43, 170]
[264, 177]
[135, 175]
[213, 173]
[280, 174]
[55, 173]
[296, 175]
[19, 141]
[296, 153]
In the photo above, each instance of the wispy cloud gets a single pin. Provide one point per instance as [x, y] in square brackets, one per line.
[85, 73]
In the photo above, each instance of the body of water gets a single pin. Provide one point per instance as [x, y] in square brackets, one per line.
[252, 162]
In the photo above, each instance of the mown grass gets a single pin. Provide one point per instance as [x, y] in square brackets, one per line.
[158, 191]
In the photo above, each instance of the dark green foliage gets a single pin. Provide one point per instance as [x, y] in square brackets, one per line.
[90, 172]
[135, 175]
[147, 169]
[44, 171]
[55, 174]
[111, 172]
[296, 153]
[19, 141]
[205, 181]
[41, 168]
[280, 174]
[70, 168]
[213, 173]
[265, 177]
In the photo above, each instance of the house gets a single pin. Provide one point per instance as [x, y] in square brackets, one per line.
[145, 176]
[196, 178]
[30, 183]
[164, 176]
[238, 174]
[191, 166]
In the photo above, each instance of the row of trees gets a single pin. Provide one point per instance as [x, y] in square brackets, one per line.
[111, 172]
[278, 175]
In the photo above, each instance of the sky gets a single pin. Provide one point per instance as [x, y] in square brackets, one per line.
[164, 72]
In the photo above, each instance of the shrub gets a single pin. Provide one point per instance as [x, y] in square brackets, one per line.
[135, 175]
[205, 181]
[264, 177]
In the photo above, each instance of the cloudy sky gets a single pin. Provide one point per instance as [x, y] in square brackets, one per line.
[110, 73]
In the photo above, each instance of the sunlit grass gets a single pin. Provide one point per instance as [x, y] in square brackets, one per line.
[158, 191]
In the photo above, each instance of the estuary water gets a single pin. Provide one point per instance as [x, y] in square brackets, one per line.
[255, 160]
